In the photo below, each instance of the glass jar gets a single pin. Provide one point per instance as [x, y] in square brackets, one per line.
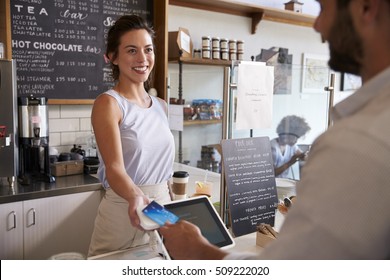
[232, 45]
[197, 53]
[233, 55]
[216, 53]
[224, 44]
[224, 54]
[240, 46]
[215, 42]
[206, 42]
[206, 53]
[240, 55]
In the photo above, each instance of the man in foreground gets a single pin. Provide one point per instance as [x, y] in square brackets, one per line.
[342, 210]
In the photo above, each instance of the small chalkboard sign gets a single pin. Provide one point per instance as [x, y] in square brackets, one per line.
[250, 180]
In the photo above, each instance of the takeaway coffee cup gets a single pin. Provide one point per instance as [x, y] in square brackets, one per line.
[179, 184]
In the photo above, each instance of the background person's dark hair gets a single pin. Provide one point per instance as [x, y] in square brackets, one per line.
[293, 125]
[121, 26]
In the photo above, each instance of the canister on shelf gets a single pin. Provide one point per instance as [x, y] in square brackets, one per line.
[197, 53]
[215, 42]
[206, 42]
[232, 45]
[224, 54]
[240, 46]
[233, 55]
[206, 53]
[216, 53]
[224, 44]
[240, 55]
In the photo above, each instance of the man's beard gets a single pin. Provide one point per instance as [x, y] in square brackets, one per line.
[346, 50]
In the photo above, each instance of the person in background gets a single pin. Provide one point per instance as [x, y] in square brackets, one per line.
[285, 151]
[343, 206]
[135, 144]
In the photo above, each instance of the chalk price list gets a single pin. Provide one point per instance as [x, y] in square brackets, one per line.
[62, 42]
[251, 183]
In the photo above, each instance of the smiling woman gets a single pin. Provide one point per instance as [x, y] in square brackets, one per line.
[133, 136]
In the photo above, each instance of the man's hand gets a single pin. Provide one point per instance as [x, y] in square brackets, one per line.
[184, 241]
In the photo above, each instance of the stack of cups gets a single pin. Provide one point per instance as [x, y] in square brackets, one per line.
[179, 184]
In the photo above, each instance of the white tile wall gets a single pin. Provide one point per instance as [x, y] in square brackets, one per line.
[68, 125]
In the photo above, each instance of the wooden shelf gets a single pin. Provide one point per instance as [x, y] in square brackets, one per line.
[201, 122]
[244, 8]
[201, 61]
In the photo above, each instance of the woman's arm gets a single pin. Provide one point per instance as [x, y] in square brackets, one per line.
[106, 117]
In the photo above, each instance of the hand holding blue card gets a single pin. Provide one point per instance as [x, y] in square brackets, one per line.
[159, 214]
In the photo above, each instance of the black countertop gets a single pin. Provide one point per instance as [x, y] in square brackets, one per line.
[39, 189]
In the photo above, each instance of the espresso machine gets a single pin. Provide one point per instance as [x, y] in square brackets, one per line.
[34, 162]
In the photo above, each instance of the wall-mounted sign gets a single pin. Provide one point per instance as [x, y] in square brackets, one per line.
[59, 45]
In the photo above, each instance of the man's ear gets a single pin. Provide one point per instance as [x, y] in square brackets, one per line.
[369, 9]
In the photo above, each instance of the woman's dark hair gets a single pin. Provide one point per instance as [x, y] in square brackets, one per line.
[121, 26]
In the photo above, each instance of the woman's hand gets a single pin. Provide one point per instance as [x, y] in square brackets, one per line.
[134, 203]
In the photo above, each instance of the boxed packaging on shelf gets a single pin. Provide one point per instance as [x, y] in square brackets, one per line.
[179, 41]
[208, 109]
[64, 168]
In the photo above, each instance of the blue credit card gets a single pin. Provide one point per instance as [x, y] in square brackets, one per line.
[159, 214]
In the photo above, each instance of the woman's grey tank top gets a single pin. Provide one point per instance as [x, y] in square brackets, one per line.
[147, 142]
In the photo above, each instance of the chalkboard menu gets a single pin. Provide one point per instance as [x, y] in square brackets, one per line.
[250, 180]
[59, 45]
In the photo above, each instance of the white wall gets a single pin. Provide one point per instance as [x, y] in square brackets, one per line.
[299, 40]
[68, 125]
[71, 124]
[310, 7]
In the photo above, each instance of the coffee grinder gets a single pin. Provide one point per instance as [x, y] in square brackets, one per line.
[34, 162]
